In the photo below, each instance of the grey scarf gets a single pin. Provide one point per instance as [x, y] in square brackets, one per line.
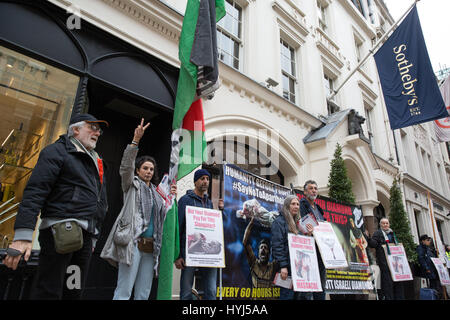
[150, 206]
[146, 209]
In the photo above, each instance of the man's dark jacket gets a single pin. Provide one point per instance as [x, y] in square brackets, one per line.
[65, 183]
[377, 241]
[193, 200]
[306, 208]
[425, 254]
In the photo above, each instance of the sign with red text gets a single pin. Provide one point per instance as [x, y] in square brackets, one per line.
[333, 256]
[442, 271]
[348, 225]
[304, 265]
[398, 263]
[204, 238]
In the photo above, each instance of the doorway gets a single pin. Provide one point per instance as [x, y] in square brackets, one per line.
[123, 113]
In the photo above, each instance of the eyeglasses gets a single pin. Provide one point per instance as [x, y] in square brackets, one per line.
[95, 127]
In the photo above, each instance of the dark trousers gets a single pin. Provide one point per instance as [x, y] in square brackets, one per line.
[390, 290]
[53, 279]
[436, 285]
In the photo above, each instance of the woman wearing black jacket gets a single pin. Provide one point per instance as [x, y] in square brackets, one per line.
[285, 223]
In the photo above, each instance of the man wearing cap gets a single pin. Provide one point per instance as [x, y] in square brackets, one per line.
[424, 255]
[196, 198]
[68, 189]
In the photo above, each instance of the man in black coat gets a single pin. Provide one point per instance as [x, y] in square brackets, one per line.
[68, 189]
[390, 290]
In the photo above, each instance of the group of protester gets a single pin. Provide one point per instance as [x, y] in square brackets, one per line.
[68, 189]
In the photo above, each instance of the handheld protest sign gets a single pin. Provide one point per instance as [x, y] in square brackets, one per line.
[204, 238]
[442, 271]
[398, 263]
[330, 248]
[304, 265]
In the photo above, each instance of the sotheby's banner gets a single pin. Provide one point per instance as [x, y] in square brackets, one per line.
[409, 85]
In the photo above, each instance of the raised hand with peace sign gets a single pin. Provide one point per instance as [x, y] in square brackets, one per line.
[139, 132]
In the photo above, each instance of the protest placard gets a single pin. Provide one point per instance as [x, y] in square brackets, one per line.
[304, 221]
[304, 265]
[331, 251]
[398, 263]
[348, 224]
[204, 238]
[442, 271]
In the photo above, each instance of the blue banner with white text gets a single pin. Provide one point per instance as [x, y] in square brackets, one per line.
[410, 89]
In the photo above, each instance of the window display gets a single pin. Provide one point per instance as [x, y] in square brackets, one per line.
[36, 103]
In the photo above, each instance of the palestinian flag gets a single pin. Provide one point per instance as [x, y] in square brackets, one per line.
[198, 78]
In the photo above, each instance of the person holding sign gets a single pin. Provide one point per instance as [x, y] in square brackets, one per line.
[195, 198]
[390, 290]
[425, 253]
[134, 242]
[285, 223]
[309, 206]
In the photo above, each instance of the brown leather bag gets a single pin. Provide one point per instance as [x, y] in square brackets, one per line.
[145, 245]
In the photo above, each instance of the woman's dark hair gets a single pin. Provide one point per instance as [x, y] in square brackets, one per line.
[141, 160]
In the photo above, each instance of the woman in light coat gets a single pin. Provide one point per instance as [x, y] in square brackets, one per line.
[142, 216]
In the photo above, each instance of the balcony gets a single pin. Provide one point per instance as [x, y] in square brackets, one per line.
[330, 49]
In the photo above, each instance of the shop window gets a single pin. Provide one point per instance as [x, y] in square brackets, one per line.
[36, 102]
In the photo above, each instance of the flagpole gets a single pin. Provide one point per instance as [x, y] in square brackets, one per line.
[371, 51]
[432, 223]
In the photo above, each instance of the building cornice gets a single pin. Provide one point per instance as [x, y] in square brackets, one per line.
[267, 99]
[422, 188]
[153, 14]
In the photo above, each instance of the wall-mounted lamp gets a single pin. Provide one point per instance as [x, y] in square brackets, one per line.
[271, 83]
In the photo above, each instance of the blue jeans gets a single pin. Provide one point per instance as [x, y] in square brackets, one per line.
[138, 275]
[209, 280]
[286, 294]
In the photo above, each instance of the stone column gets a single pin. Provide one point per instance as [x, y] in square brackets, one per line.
[369, 218]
